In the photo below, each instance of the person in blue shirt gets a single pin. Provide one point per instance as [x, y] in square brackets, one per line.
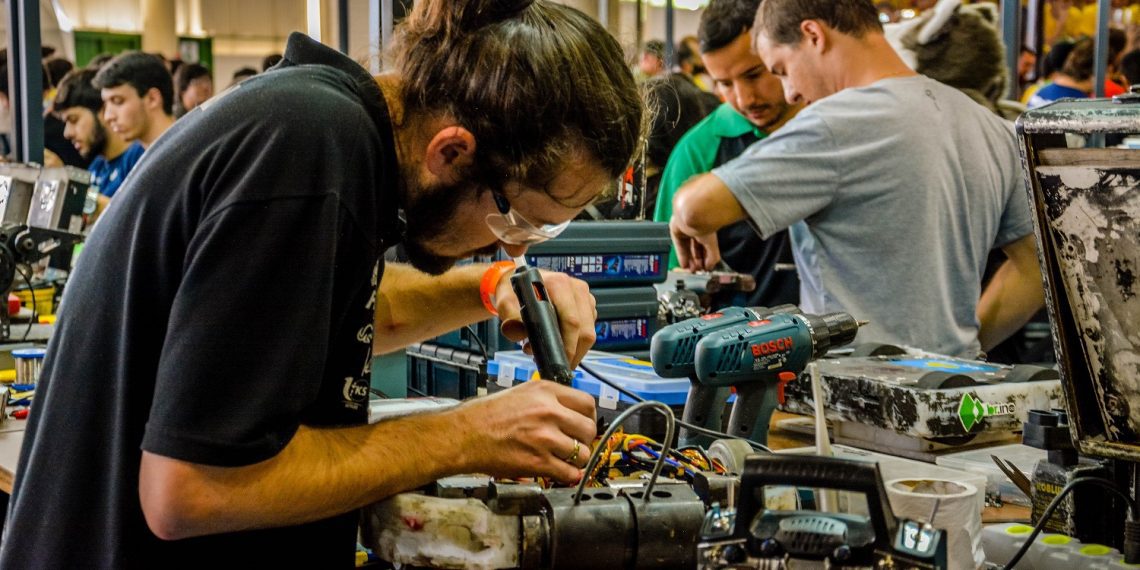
[1073, 81]
[78, 104]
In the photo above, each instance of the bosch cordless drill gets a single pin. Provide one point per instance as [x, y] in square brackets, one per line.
[673, 352]
[760, 356]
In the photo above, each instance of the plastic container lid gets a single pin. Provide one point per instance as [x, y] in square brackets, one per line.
[634, 375]
[29, 353]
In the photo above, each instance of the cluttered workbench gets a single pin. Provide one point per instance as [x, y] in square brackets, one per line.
[874, 438]
[828, 453]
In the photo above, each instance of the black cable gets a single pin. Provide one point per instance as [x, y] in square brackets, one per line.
[28, 281]
[686, 425]
[479, 341]
[1056, 502]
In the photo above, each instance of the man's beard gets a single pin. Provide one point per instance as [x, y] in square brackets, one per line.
[427, 215]
[98, 140]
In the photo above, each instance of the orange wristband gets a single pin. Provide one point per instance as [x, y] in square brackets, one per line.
[490, 282]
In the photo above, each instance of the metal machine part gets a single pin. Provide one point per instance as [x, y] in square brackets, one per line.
[673, 353]
[524, 526]
[759, 535]
[703, 285]
[21, 245]
[759, 357]
[678, 303]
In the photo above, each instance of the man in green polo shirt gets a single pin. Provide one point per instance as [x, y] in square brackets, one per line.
[754, 107]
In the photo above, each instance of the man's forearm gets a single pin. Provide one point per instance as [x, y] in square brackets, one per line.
[704, 205]
[412, 306]
[526, 431]
[320, 473]
[1013, 296]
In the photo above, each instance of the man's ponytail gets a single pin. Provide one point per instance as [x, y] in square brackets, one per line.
[441, 21]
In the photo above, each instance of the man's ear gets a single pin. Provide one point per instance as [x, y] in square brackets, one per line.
[450, 154]
[815, 35]
[152, 99]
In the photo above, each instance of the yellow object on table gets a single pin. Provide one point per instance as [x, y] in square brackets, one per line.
[44, 297]
[8, 376]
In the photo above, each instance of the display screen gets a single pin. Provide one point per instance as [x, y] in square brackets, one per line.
[612, 266]
[621, 331]
[918, 538]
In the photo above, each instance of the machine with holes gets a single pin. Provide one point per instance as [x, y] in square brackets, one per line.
[915, 404]
[628, 522]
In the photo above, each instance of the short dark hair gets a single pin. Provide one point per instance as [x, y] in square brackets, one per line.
[678, 106]
[1130, 66]
[99, 61]
[780, 19]
[244, 73]
[143, 72]
[684, 51]
[1055, 59]
[270, 60]
[1117, 41]
[1079, 64]
[76, 90]
[57, 67]
[187, 73]
[723, 21]
[533, 80]
[655, 47]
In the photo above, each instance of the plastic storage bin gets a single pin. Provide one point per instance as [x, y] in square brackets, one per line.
[609, 254]
[627, 318]
[444, 372]
[514, 367]
[997, 484]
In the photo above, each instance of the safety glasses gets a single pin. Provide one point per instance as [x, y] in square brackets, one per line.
[512, 228]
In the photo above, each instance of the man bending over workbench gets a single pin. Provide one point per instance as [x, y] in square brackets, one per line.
[204, 399]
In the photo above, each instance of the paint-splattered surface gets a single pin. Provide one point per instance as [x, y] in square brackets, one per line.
[924, 402]
[1094, 226]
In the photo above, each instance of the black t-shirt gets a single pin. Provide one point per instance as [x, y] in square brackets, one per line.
[225, 298]
[746, 252]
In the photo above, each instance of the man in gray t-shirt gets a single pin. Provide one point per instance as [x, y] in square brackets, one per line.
[895, 187]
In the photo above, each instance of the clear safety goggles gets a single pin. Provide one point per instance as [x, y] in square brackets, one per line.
[514, 229]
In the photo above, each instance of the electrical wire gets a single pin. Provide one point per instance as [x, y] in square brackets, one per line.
[595, 455]
[31, 289]
[1056, 502]
[479, 341]
[686, 425]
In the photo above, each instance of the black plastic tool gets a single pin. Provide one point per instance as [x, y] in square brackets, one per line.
[541, 321]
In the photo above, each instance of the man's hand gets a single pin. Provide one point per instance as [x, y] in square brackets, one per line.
[694, 252]
[538, 428]
[700, 208]
[576, 307]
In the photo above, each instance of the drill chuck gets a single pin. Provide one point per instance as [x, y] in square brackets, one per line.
[830, 331]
